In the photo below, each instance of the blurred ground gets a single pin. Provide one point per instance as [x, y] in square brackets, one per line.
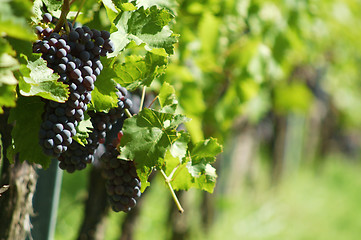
[306, 205]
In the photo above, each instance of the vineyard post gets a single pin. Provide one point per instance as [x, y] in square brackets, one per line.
[46, 201]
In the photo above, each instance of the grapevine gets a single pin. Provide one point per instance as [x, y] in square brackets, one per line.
[73, 89]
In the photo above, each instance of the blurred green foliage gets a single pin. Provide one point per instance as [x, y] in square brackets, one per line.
[242, 58]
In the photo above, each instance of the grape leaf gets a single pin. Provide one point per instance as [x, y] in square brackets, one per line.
[170, 5]
[103, 95]
[27, 120]
[136, 70]
[7, 96]
[82, 130]
[180, 146]
[167, 98]
[111, 9]
[7, 65]
[117, 5]
[39, 80]
[147, 26]
[195, 170]
[8, 82]
[53, 5]
[146, 137]
[205, 149]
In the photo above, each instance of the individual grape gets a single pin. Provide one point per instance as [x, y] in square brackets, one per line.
[61, 68]
[61, 53]
[105, 34]
[96, 33]
[84, 56]
[73, 36]
[99, 41]
[47, 32]
[75, 74]
[54, 35]
[39, 30]
[47, 17]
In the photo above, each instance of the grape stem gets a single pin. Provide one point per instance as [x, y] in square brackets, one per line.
[64, 12]
[167, 180]
[77, 14]
[153, 101]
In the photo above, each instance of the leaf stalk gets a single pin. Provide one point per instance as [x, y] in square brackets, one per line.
[142, 99]
[167, 180]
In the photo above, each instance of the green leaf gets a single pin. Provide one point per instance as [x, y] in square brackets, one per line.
[136, 70]
[127, 7]
[7, 65]
[146, 138]
[111, 9]
[196, 169]
[53, 5]
[143, 26]
[188, 176]
[117, 5]
[103, 96]
[180, 146]
[39, 80]
[170, 5]
[82, 131]
[26, 117]
[12, 20]
[7, 96]
[167, 98]
[208, 148]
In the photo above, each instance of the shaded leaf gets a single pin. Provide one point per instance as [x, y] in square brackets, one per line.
[27, 120]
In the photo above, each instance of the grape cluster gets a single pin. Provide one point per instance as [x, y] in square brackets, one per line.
[75, 56]
[122, 185]
[77, 156]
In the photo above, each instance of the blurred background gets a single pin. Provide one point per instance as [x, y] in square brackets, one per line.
[278, 83]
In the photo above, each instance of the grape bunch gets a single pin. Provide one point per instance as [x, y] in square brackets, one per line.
[75, 56]
[122, 182]
[77, 156]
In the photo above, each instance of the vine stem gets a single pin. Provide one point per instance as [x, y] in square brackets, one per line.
[179, 206]
[64, 12]
[128, 113]
[77, 14]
